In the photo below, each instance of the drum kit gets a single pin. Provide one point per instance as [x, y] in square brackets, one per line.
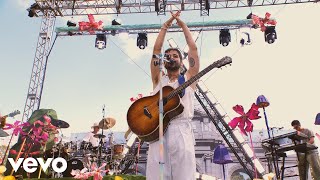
[81, 155]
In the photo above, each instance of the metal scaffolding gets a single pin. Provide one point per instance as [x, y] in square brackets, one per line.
[155, 28]
[102, 7]
[39, 64]
[235, 143]
[50, 9]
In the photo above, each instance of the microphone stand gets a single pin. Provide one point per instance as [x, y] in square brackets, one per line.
[101, 142]
[161, 146]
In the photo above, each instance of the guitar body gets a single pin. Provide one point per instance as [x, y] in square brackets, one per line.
[143, 114]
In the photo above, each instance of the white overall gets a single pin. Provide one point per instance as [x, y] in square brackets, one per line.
[179, 153]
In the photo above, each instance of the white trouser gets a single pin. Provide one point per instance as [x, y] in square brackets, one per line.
[179, 153]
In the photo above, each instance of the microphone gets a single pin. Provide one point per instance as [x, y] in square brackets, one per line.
[171, 61]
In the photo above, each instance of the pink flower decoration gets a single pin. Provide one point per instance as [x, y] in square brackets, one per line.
[90, 26]
[243, 122]
[17, 127]
[47, 119]
[263, 21]
[96, 173]
[83, 174]
[133, 99]
[39, 135]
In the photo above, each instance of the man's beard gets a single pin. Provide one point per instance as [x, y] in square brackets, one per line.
[172, 66]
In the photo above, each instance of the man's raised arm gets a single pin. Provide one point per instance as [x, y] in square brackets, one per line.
[157, 50]
[193, 57]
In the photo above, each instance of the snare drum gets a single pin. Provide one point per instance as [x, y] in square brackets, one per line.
[72, 164]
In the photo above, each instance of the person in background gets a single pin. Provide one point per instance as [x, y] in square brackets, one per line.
[311, 158]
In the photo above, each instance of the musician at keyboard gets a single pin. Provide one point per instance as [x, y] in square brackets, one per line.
[312, 156]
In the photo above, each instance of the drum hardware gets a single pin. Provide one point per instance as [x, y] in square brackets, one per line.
[59, 148]
[100, 136]
[81, 155]
[72, 164]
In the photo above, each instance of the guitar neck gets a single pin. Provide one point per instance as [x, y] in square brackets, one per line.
[190, 81]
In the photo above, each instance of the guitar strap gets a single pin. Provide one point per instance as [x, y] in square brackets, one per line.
[181, 80]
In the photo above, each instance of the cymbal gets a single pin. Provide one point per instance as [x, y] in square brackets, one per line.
[60, 123]
[3, 133]
[107, 123]
[99, 136]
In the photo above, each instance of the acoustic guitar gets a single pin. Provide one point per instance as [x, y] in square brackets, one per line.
[143, 114]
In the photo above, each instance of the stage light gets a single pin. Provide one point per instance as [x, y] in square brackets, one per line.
[270, 34]
[142, 40]
[101, 41]
[224, 37]
[114, 23]
[31, 10]
[31, 13]
[71, 24]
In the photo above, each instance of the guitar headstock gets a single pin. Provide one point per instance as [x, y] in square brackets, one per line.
[14, 113]
[222, 62]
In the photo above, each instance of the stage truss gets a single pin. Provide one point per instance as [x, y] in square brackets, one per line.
[103, 7]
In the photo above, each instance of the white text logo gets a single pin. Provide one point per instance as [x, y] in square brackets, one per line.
[30, 164]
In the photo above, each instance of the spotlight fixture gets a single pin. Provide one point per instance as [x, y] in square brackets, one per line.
[31, 13]
[71, 24]
[224, 37]
[101, 41]
[249, 16]
[142, 40]
[31, 10]
[113, 23]
[270, 34]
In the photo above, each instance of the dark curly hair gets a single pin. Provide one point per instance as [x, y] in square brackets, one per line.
[295, 122]
[175, 49]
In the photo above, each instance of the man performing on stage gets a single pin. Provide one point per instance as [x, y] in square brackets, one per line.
[90, 136]
[312, 156]
[179, 153]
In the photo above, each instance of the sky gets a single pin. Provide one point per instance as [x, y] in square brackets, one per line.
[81, 79]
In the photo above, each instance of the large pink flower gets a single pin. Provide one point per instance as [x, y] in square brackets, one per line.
[83, 174]
[96, 173]
[262, 22]
[40, 130]
[243, 121]
[90, 26]
[17, 127]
